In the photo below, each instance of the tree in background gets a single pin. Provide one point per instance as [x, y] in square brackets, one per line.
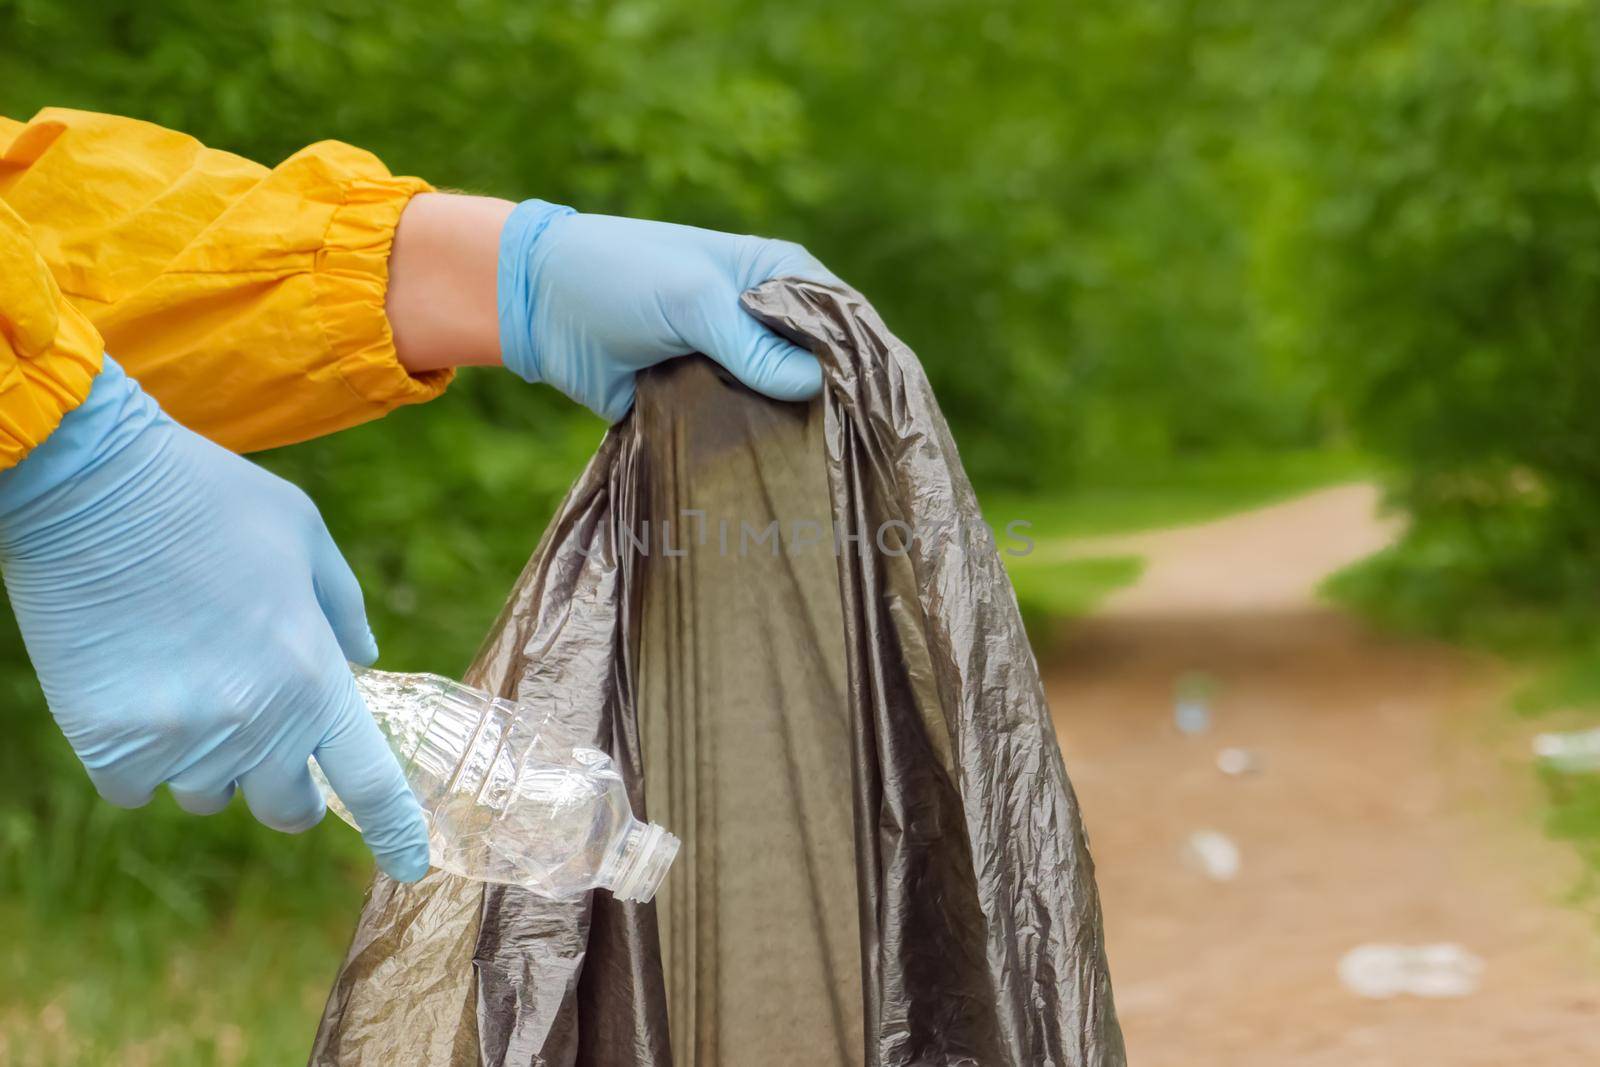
[1451, 270]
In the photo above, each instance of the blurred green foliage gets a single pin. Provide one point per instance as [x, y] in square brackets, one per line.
[1452, 252]
[1458, 174]
[1122, 236]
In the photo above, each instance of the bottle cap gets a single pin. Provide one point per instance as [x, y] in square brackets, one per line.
[646, 858]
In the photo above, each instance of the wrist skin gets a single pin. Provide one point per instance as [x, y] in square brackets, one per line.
[443, 269]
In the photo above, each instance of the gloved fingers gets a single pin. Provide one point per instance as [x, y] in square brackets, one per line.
[117, 788]
[197, 798]
[281, 794]
[339, 596]
[618, 399]
[364, 772]
[768, 259]
[754, 354]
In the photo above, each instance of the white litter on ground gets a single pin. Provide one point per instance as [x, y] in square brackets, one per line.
[1575, 752]
[1381, 971]
[1213, 853]
[1238, 761]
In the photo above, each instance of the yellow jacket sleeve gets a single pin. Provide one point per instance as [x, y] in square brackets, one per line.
[48, 350]
[249, 301]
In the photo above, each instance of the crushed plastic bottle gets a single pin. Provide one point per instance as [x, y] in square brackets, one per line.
[1577, 752]
[504, 802]
[1381, 971]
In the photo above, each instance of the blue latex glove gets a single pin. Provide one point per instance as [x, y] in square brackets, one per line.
[189, 618]
[588, 301]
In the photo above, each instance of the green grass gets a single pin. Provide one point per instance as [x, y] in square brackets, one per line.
[153, 937]
[1572, 814]
[1194, 491]
[242, 990]
[1052, 591]
[1564, 684]
[130, 941]
[1568, 685]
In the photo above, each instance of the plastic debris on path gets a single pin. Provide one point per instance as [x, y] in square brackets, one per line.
[1575, 752]
[1382, 971]
[1213, 853]
[1236, 762]
[1191, 710]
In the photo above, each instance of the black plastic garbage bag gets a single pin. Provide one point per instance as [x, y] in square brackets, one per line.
[790, 629]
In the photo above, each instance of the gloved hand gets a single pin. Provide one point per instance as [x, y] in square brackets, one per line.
[189, 618]
[587, 301]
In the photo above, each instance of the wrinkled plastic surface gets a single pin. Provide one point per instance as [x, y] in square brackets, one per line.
[883, 861]
[504, 803]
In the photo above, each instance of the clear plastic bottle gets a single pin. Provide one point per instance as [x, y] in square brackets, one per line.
[504, 802]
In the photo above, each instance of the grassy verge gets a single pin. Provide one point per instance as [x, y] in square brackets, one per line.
[1436, 584]
[132, 943]
[1189, 492]
[1052, 591]
[241, 991]
[1052, 594]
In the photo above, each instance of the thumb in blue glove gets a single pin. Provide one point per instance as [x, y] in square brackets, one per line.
[190, 619]
[588, 301]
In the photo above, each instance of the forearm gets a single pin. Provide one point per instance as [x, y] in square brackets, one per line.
[248, 300]
[583, 302]
[441, 299]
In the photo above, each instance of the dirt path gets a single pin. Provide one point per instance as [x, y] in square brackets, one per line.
[1394, 804]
